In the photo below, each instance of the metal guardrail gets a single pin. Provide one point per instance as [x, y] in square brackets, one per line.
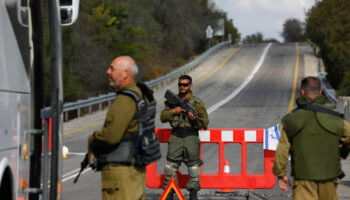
[168, 78]
[342, 103]
[326, 87]
[154, 84]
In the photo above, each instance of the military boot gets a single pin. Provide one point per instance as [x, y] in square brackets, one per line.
[170, 195]
[193, 195]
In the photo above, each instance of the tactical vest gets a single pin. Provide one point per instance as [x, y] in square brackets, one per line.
[142, 147]
[315, 140]
[181, 123]
[182, 120]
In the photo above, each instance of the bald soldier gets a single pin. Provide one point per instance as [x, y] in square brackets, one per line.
[121, 178]
[317, 139]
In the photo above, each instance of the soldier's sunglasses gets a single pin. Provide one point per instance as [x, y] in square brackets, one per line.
[183, 84]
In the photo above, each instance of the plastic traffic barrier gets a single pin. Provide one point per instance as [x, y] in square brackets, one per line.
[222, 180]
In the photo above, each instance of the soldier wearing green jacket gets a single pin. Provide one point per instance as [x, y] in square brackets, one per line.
[317, 139]
[184, 144]
[121, 179]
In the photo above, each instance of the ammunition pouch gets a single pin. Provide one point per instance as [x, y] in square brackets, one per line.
[122, 153]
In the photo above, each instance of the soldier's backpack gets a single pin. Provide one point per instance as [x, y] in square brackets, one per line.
[147, 148]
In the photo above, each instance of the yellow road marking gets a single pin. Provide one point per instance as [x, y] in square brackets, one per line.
[161, 101]
[217, 68]
[295, 79]
[83, 128]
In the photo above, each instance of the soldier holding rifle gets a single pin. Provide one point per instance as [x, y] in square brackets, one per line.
[186, 114]
[113, 144]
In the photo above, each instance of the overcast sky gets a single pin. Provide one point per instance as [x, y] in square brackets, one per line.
[265, 16]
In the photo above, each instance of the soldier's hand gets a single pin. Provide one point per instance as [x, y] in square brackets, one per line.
[90, 137]
[177, 110]
[283, 183]
[191, 116]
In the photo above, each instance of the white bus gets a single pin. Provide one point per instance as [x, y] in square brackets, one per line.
[25, 168]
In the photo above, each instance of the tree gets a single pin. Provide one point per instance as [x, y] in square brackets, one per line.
[231, 29]
[293, 31]
[328, 25]
[273, 40]
[159, 34]
[254, 38]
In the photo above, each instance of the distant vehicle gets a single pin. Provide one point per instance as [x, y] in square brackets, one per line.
[24, 171]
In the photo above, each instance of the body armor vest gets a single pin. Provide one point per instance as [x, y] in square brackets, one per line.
[315, 140]
[181, 123]
[182, 120]
[142, 146]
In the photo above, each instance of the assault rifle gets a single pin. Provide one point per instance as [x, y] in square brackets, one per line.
[88, 160]
[183, 103]
[83, 165]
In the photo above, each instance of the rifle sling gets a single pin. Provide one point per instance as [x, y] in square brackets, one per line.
[316, 108]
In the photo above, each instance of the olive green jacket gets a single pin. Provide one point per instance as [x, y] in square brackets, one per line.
[119, 121]
[285, 146]
[167, 115]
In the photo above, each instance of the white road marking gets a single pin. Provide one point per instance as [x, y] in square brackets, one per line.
[74, 175]
[243, 85]
[77, 153]
[71, 172]
[68, 176]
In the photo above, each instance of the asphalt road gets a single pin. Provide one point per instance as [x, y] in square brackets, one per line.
[241, 88]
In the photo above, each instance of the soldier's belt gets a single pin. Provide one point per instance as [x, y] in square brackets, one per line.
[184, 132]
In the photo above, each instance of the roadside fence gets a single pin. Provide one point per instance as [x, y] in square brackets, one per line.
[342, 103]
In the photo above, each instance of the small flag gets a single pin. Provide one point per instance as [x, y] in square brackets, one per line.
[271, 138]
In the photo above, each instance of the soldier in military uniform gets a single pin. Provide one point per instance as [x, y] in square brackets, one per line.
[184, 144]
[121, 179]
[317, 139]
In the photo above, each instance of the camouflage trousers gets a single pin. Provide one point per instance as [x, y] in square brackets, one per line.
[315, 190]
[123, 182]
[184, 150]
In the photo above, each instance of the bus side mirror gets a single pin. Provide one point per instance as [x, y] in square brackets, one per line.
[69, 10]
[22, 12]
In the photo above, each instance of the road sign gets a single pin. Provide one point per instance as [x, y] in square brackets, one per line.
[220, 28]
[209, 32]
